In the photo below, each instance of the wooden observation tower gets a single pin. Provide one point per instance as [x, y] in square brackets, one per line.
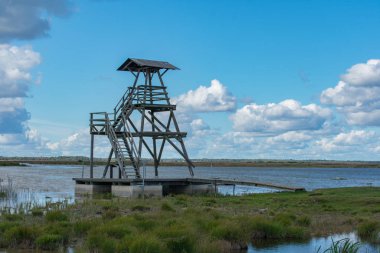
[143, 119]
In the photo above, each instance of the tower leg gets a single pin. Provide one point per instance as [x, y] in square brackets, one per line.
[141, 136]
[154, 148]
[92, 157]
[189, 165]
[108, 163]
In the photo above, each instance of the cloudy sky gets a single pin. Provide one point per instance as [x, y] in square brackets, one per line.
[258, 79]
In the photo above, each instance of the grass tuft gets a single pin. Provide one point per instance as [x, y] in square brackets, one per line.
[56, 215]
[167, 207]
[49, 242]
[369, 231]
[147, 244]
[342, 246]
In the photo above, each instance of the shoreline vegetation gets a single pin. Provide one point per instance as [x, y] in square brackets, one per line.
[190, 224]
[78, 160]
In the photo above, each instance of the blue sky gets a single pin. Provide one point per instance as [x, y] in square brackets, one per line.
[270, 71]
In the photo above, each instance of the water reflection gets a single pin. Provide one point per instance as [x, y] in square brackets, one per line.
[310, 246]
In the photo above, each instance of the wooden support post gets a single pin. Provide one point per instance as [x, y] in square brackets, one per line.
[92, 157]
[108, 163]
[189, 164]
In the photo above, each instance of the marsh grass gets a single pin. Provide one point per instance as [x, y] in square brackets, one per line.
[370, 231]
[342, 246]
[49, 242]
[191, 224]
[7, 190]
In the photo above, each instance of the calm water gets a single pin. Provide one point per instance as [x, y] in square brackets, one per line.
[54, 182]
[312, 245]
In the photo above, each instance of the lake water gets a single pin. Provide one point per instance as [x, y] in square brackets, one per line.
[311, 246]
[54, 182]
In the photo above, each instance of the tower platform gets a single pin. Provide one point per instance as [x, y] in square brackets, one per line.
[159, 187]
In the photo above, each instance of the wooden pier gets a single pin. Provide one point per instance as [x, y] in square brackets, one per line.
[164, 186]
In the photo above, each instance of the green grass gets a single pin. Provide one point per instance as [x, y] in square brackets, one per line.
[194, 223]
[49, 242]
[342, 246]
[370, 231]
[56, 215]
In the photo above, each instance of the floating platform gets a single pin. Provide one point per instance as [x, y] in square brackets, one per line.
[163, 186]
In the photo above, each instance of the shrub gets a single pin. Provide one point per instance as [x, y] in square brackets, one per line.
[97, 242]
[230, 231]
[81, 228]
[140, 208]
[108, 246]
[56, 215]
[205, 246]
[110, 214]
[264, 229]
[12, 217]
[143, 223]
[37, 212]
[93, 240]
[304, 221]
[369, 230]
[296, 233]
[21, 235]
[6, 225]
[116, 231]
[285, 219]
[62, 229]
[146, 244]
[166, 207]
[49, 242]
[182, 244]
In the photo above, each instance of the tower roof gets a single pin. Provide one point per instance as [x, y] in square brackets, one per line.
[133, 64]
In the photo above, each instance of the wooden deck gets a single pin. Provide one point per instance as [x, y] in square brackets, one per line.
[183, 182]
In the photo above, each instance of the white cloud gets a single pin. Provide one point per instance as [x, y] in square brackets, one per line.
[357, 95]
[29, 19]
[289, 137]
[199, 125]
[214, 98]
[27, 143]
[355, 139]
[11, 104]
[15, 66]
[78, 143]
[9, 139]
[364, 74]
[288, 115]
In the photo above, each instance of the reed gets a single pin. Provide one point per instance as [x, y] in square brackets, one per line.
[342, 246]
